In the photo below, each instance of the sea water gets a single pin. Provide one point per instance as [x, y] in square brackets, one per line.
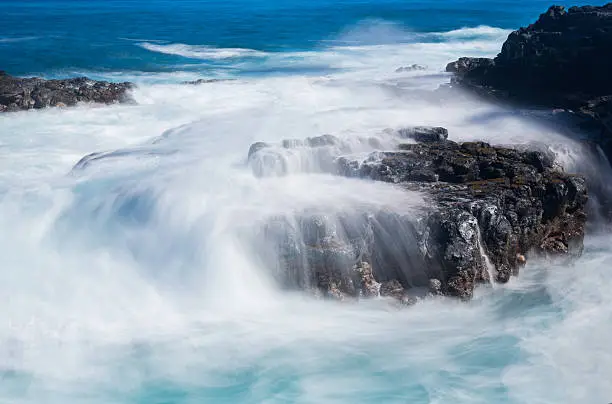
[133, 279]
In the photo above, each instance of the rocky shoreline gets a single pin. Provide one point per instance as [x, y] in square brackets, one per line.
[562, 60]
[18, 94]
[489, 209]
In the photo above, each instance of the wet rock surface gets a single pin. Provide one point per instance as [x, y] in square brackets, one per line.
[424, 134]
[563, 60]
[489, 209]
[503, 202]
[18, 94]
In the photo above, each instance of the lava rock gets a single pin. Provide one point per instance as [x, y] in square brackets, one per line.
[35, 93]
[464, 65]
[488, 208]
[255, 147]
[489, 203]
[369, 287]
[411, 68]
[435, 287]
[424, 134]
[392, 289]
[563, 60]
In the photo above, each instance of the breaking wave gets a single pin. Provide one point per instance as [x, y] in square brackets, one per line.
[201, 52]
[15, 40]
[142, 275]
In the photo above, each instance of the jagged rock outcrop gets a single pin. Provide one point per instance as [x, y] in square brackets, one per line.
[563, 60]
[35, 93]
[506, 201]
[489, 207]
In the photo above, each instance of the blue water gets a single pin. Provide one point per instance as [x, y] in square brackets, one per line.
[139, 278]
[55, 37]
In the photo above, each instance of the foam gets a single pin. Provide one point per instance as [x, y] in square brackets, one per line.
[135, 274]
[16, 40]
[482, 31]
[201, 52]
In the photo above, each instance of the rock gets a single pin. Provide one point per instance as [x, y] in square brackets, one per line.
[465, 65]
[487, 209]
[563, 60]
[392, 289]
[36, 93]
[435, 287]
[455, 235]
[506, 201]
[408, 301]
[255, 147]
[411, 68]
[424, 134]
[368, 285]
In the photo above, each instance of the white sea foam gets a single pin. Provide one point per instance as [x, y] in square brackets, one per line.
[136, 273]
[482, 31]
[370, 48]
[201, 52]
[19, 39]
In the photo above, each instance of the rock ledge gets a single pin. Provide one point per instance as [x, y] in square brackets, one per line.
[490, 208]
[35, 93]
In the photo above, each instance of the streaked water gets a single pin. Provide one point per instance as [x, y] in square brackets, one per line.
[135, 280]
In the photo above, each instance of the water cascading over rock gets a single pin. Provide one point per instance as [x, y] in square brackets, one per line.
[506, 202]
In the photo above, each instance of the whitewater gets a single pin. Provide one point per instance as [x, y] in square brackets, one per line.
[134, 277]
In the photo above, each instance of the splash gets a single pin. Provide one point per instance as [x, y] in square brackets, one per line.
[489, 267]
[144, 275]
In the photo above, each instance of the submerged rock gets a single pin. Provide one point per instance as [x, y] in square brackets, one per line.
[36, 93]
[488, 208]
[369, 287]
[563, 60]
[392, 289]
[435, 287]
[410, 68]
[203, 81]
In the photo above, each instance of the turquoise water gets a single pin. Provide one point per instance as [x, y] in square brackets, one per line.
[141, 279]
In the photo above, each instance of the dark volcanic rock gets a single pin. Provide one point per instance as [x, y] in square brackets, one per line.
[35, 93]
[488, 208]
[563, 60]
[424, 134]
[411, 68]
[466, 65]
[508, 202]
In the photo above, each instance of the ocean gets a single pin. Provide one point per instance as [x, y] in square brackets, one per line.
[137, 280]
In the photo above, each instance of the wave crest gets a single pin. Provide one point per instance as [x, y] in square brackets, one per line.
[475, 32]
[201, 52]
[19, 39]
